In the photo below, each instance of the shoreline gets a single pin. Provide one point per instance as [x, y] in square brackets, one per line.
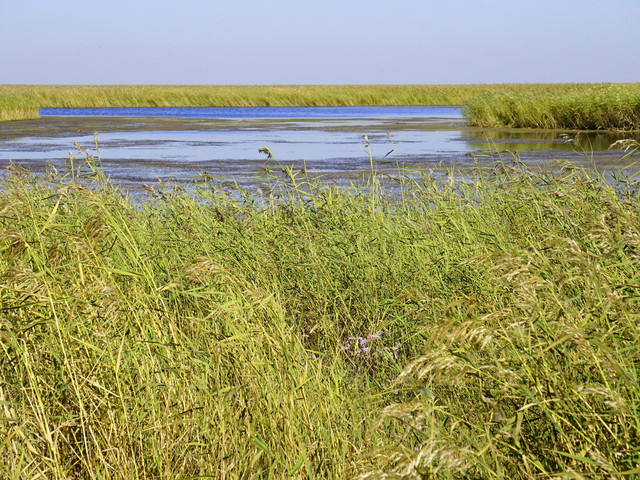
[581, 106]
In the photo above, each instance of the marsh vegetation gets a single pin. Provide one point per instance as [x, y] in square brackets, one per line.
[485, 328]
[476, 324]
[579, 107]
[23, 101]
[576, 106]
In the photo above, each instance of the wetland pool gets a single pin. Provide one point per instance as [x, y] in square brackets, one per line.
[139, 146]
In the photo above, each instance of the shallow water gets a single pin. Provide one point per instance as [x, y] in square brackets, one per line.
[142, 145]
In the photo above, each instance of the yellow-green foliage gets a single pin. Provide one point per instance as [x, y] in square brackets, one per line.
[221, 334]
[581, 107]
[23, 101]
[566, 106]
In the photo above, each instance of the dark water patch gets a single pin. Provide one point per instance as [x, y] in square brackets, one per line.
[544, 140]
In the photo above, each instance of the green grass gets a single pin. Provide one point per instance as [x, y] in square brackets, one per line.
[580, 107]
[203, 334]
[23, 101]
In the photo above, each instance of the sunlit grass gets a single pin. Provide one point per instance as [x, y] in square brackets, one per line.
[552, 106]
[485, 328]
[586, 107]
[23, 101]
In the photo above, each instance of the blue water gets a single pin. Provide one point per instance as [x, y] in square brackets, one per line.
[374, 112]
[143, 145]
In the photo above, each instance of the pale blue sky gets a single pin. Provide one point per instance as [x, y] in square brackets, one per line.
[320, 42]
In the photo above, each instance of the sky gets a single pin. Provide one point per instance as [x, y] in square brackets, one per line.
[255, 42]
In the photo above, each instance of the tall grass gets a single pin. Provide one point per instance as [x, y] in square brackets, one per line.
[597, 107]
[485, 328]
[580, 106]
[23, 101]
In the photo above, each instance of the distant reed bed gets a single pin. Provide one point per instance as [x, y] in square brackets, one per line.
[579, 107]
[23, 101]
[485, 328]
[549, 106]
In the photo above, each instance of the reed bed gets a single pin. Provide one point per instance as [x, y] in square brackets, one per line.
[23, 101]
[590, 107]
[577, 106]
[477, 328]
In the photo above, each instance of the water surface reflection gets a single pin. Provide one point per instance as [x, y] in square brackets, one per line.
[185, 144]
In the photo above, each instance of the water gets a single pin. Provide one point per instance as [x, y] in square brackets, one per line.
[252, 113]
[143, 145]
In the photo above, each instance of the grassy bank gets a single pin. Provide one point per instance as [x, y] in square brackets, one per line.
[585, 107]
[23, 101]
[550, 106]
[487, 329]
